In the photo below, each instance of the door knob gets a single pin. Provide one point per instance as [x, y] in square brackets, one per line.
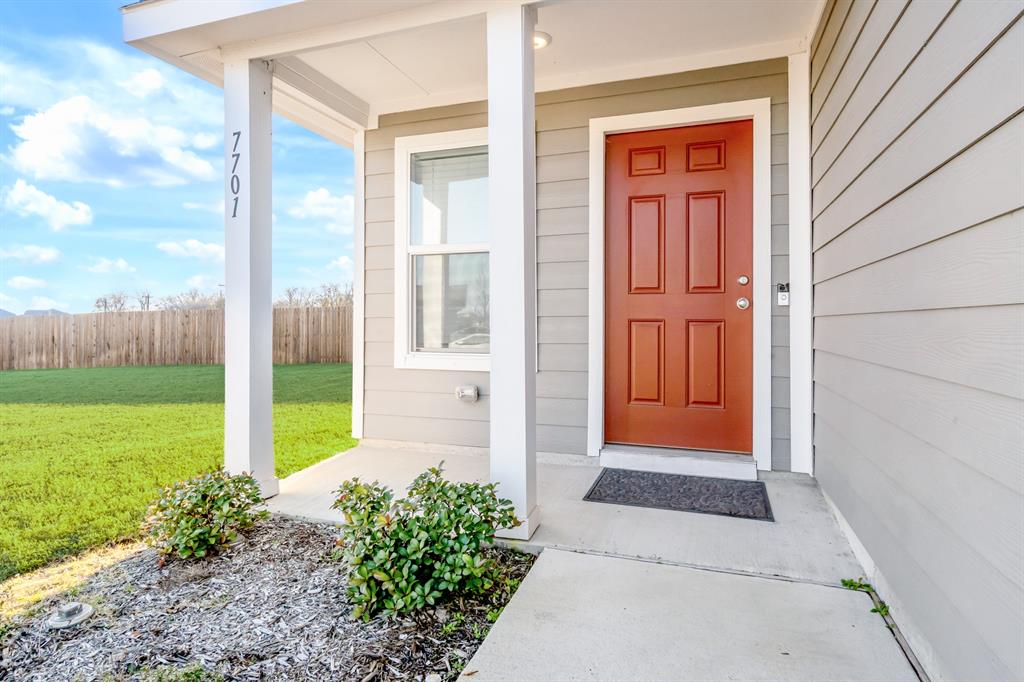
[742, 303]
[743, 280]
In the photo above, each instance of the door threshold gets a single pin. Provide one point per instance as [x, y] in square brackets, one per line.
[679, 461]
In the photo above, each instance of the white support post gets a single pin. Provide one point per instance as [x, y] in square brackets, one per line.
[801, 286]
[248, 305]
[358, 283]
[513, 218]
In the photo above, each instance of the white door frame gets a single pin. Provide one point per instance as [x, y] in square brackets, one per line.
[759, 110]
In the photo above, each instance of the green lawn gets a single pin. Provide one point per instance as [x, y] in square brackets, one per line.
[83, 451]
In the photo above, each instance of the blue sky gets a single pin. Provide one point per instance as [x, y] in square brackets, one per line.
[111, 171]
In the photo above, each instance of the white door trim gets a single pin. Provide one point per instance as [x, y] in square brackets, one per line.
[760, 111]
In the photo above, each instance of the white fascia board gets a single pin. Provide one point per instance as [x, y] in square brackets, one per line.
[308, 113]
[211, 77]
[149, 19]
[294, 105]
[819, 13]
[705, 60]
[320, 89]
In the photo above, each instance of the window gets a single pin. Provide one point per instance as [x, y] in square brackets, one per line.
[442, 260]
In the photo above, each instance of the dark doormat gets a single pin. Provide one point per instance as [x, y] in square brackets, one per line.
[678, 492]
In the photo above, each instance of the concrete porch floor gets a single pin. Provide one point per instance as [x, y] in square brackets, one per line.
[804, 543]
[625, 593]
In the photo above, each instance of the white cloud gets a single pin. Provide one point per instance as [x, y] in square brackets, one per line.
[213, 207]
[106, 265]
[199, 281]
[342, 263]
[320, 203]
[36, 72]
[143, 83]
[9, 301]
[24, 199]
[6, 111]
[77, 140]
[30, 253]
[45, 303]
[23, 282]
[192, 248]
[204, 140]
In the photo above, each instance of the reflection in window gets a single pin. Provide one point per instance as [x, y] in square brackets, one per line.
[448, 197]
[452, 303]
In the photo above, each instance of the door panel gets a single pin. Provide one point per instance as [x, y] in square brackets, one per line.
[646, 244]
[678, 350]
[704, 236]
[705, 363]
[646, 362]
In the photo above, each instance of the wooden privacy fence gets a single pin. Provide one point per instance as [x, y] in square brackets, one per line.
[166, 337]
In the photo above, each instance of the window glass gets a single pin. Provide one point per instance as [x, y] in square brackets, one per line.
[452, 303]
[448, 197]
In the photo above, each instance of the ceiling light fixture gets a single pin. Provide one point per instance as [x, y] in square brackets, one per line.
[541, 40]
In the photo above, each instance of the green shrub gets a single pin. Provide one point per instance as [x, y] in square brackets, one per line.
[194, 673]
[202, 515]
[407, 554]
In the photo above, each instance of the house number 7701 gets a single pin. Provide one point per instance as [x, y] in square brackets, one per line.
[236, 182]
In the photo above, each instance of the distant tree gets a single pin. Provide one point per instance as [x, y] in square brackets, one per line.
[112, 302]
[334, 295]
[193, 299]
[296, 297]
[118, 301]
[327, 296]
[144, 299]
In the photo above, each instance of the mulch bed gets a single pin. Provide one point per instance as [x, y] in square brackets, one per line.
[272, 607]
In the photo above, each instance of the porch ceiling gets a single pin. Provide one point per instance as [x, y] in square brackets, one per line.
[396, 55]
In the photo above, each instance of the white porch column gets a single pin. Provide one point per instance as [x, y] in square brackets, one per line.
[801, 287]
[248, 304]
[513, 216]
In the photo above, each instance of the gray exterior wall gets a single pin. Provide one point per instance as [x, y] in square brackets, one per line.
[417, 405]
[918, 143]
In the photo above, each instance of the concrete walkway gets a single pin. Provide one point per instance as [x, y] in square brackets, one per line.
[585, 617]
[625, 593]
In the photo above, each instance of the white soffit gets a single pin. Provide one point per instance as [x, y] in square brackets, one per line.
[445, 63]
[364, 71]
[596, 37]
[447, 57]
[592, 42]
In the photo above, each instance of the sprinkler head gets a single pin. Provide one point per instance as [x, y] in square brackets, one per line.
[69, 614]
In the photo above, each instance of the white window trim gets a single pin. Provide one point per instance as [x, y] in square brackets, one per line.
[405, 357]
[759, 110]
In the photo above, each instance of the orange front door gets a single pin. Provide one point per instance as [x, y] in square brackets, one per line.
[678, 317]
